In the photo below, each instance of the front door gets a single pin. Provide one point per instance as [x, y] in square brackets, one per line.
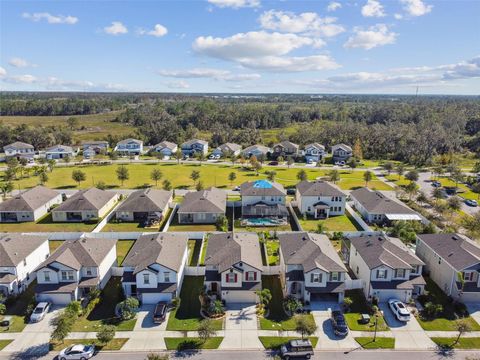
[214, 287]
[133, 290]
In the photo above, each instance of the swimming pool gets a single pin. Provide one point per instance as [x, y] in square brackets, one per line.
[263, 222]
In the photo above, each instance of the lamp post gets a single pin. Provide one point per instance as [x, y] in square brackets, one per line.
[375, 333]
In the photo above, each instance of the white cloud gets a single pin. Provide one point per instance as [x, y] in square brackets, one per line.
[51, 19]
[20, 63]
[373, 8]
[3, 72]
[377, 35]
[416, 7]
[178, 85]
[216, 74]
[235, 4]
[333, 6]
[20, 79]
[398, 16]
[308, 23]
[291, 64]
[116, 28]
[158, 31]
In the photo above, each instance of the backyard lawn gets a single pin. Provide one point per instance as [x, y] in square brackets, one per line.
[125, 226]
[17, 308]
[123, 247]
[54, 245]
[175, 226]
[379, 343]
[192, 343]
[4, 343]
[334, 223]
[360, 306]
[273, 255]
[187, 317]
[275, 342]
[194, 247]
[46, 224]
[463, 342]
[115, 344]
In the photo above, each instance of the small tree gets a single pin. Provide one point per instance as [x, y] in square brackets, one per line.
[280, 159]
[462, 327]
[290, 161]
[302, 175]
[357, 149]
[454, 203]
[271, 175]
[78, 176]
[367, 176]
[6, 188]
[51, 164]
[199, 186]
[400, 169]
[167, 185]
[43, 177]
[206, 330]
[334, 176]
[320, 228]
[101, 185]
[412, 175]
[222, 223]
[388, 167]
[106, 333]
[128, 308]
[156, 175]
[122, 174]
[232, 176]
[305, 325]
[72, 123]
[178, 156]
[195, 175]
[257, 167]
[352, 163]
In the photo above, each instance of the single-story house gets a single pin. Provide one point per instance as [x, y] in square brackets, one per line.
[227, 149]
[145, 205]
[202, 207]
[60, 152]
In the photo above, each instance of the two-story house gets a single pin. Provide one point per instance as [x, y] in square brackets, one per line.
[74, 269]
[192, 147]
[259, 151]
[453, 263]
[145, 205]
[58, 152]
[20, 254]
[286, 149]
[30, 205]
[314, 152]
[388, 268]
[202, 207]
[262, 199]
[19, 150]
[166, 148]
[129, 147]
[154, 267]
[341, 152]
[233, 266]
[227, 149]
[377, 208]
[320, 199]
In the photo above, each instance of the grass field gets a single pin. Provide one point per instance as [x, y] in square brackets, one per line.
[123, 247]
[379, 343]
[54, 245]
[18, 308]
[115, 344]
[463, 343]
[4, 343]
[194, 247]
[275, 342]
[45, 224]
[333, 223]
[359, 307]
[273, 255]
[192, 343]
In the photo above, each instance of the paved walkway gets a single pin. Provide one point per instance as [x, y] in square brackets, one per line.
[241, 328]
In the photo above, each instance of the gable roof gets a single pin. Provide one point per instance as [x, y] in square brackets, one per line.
[457, 250]
[377, 250]
[129, 140]
[341, 146]
[227, 249]
[261, 148]
[376, 202]
[146, 200]
[287, 145]
[262, 188]
[89, 199]
[210, 200]
[81, 252]
[15, 247]
[229, 147]
[318, 188]
[166, 145]
[18, 145]
[315, 145]
[29, 200]
[194, 141]
[312, 251]
[166, 249]
[95, 142]
[56, 148]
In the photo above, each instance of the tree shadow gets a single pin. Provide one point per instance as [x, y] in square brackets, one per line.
[31, 353]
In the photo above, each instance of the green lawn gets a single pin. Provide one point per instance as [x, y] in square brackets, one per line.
[187, 316]
[4, 343]
[192, 343]
[194, 247]
[333, 223]
[379, 343]
[46, 224]
[176, 227]
[128, 227]
[399, 181]
[104, 312]
[123, 247]
[463, 190]
[115, 344]
[54, 245]
[204, 251]
[275, 342]
[360, 306]
[463, 343]
[273, 254]
[17, 308]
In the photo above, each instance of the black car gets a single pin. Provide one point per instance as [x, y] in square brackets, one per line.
[291, 191]
[160, 312]
[339, 324]
[273, 163]
[451, 190]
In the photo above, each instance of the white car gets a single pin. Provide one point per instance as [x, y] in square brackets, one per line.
[399, 310]
[39, 312]
[77, 352]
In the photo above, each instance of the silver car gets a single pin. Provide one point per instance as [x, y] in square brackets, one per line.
[39, 312]
[399, 310]
[77, 352]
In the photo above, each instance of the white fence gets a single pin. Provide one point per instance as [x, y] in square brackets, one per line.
[357, 218]
[272, 270]
[170, 219]
[195, 270]
[351, 284]
[117, 271]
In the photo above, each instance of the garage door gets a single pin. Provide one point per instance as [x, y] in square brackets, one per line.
[324, 297]
[57, 299]
[239, 297]
[385, 295]
[154, 298]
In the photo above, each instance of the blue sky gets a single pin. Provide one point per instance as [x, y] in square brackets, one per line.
[364, 46]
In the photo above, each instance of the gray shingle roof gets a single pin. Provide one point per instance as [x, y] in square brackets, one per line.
[457, 250]
[312, 251]
[29, 200]
[55, 148]
[166, 249]
[227, 249]
[18, 145]
[376, 202]
[166, 145]
[378, 250]
[315, 145]
[230, 147]
[342, 146]
[318, 188]
[210, 200]
[147, 200]
[15, 247]
[287, 145]
[261, 148]
[262, 188]
[194, 141]
[89, 199]
[126, 141]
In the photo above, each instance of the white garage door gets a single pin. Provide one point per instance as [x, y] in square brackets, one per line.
[57, 299]
[239, 296]
[385, 295]
[153, 298]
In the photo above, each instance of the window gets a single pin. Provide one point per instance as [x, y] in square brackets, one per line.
[67, 275]
[334, 276]
[467, 275]
[400, 273]
[231, 278]
[251, 276]
[46, 276]
[381, 274]
[166, 276]
[316, 278]
[88, 271]
[416, 269]
[146, 279]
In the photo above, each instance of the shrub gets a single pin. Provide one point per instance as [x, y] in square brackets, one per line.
[106, 333]
[292, 304]
[128, 308]
[347, 302]
[206, 329]
[153, 356]
[431, 310]
[176, 302]
[3, 308]
[305, 325]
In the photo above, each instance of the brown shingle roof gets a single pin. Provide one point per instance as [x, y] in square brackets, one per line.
[89, 199]
[211, 200]
[230, 147]
[147, 200]
[376, 202]
[262, 188]
[15, 247]
[318, 188]
[29, 200]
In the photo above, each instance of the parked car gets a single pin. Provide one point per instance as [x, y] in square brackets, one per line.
[40, 311]
[340, 163]
[297, 349]
[236, 188]
[310, 161]
[77, 352]
[273, 163]
[291, 191]
[472, 203]
[339, 324]
[212, 157]
[451, 190]
[436, 183]
[160, 312]
[399, 310]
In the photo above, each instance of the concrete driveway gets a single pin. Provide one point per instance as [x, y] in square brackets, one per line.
[145, 320]
[44, 325]
[408, 335]
[327, 340]
[474, 310]
[241, 327]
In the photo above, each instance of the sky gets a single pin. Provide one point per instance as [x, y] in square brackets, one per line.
[241, 46]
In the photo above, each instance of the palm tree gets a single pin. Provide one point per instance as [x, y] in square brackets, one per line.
[334, 176]
[367, 176]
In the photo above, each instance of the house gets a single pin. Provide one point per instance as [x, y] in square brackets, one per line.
[89, 153]
[29, 205]
[74, 269]
[262, 199]
[286, 149]
[378, 208]
[227, 149]
[259, 151]
[341, 152]
[19, 150]
[192, 147]
[60, 152]
[20, 254]
[145, 206]
[314, 152]
[233, 267]
[165, 148]
[453, 263]
[320, 199]
[313, 269]
[388, 268]
[154, 267]
[202, 207]
[129, 147]
[90, 204]
[92, 148]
